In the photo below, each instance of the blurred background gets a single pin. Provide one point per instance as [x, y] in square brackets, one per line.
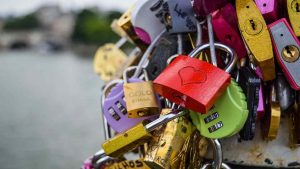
[49, 94]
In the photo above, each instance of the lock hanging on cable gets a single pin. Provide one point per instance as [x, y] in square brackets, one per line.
[141, 101]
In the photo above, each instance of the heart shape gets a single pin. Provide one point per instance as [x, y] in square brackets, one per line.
[190, 75]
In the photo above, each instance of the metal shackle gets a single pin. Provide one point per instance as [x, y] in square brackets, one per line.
[131, 68]
[217, 154]
[231, 52]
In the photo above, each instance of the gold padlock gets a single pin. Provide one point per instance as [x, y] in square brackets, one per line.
[107, 60]
[163, 150]
[140, 98]
[293, 8]
[129, 164]
[257, 37]
[136, 136]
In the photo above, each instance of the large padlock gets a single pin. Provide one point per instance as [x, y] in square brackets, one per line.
[293, 8]
[136, 136]
[269, 9]
[226, 28]
[192, 83]
[141, 101]
[227, 117]
[147, 29]
[205, 7]
[257, 37]
[287, 49]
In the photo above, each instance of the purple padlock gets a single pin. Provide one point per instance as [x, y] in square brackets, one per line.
[205, 7]
[225, 26]
[261, 105]
[114, 109]
[269, 9]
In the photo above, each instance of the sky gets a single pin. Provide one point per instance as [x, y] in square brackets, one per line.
[19, 7]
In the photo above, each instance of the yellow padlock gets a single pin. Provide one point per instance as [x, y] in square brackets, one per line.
[293, 8]
[257, 37]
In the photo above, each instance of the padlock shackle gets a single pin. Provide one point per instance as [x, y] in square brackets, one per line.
[232, 53]
[218, 156]
[125, 78]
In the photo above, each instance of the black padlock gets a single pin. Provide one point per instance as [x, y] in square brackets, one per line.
[250, 84]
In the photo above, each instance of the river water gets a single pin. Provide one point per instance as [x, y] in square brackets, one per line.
[49, 110]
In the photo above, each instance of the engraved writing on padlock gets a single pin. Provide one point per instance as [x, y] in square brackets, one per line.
[293, 8]
[192, 83]
[269, 9]
[146, 29]
[226, 28]
[287, 49]
[205, 7]
[129, 164]
[256, 35]
[140, 98]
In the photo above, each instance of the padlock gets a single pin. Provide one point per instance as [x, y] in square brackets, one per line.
[132, 164]
[250, 84]
[286, 95]
[271, 121]
[227, 117]
[141, 101]
[170, 142]
[192, 83]
[293, 123]
[147, 29]
[107, 60]
[261, 104]
[293, 8]
[256, 35]
[114, 107]
[205, 7]
[136, 136]
[287, 48]
[181, 16]
[226, 28]
[124, 28]
[269, 9]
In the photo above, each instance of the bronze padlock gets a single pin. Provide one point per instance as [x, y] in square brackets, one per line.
[140, 98]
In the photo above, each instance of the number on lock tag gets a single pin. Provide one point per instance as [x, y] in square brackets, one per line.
[147, 26]
[205, 7]
[293, 8]
[287, 48]
[227, 117]
[250, 84]
[181, 16]
[226, 28]
[269, 9]
[107, 60]
[256, 35]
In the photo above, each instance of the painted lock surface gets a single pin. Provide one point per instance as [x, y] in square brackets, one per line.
[205, 7]
[269, 9]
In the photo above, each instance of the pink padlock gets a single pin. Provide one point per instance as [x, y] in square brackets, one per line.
[226, 29]
[261, 105]
[269, 9]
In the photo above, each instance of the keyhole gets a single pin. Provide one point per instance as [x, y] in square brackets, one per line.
[297, 7]
[253, 25]
[288, 51]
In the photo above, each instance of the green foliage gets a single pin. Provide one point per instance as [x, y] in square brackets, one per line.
[27, 22]
[93, 28]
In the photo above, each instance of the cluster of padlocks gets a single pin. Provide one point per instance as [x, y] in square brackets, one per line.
[202, 71]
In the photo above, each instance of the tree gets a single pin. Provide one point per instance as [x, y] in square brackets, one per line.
[27, 22]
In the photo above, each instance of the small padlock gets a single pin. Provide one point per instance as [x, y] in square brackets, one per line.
[141, 101]
[286, 95]
[256, 35]
[205, 7]
[226, 28]
[147, 29]
[250, 84]
[136, 136]
[114, 107]
[293, 8]
[269, 9]
[192, 83]
[287, 49]
[261, 104]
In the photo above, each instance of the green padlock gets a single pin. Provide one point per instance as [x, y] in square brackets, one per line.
[227, 117]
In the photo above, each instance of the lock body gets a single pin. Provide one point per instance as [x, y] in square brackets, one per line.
[140, 99]
[227, 117]
[147, 29]
[269, 9]
[256, 35]
[132, 164]
[293, 8]
[126, 141]
[226, 28]
[261, 104]
[287, 48]
[192, 83]
[205, 7]
[115, 112]
[107, 60]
